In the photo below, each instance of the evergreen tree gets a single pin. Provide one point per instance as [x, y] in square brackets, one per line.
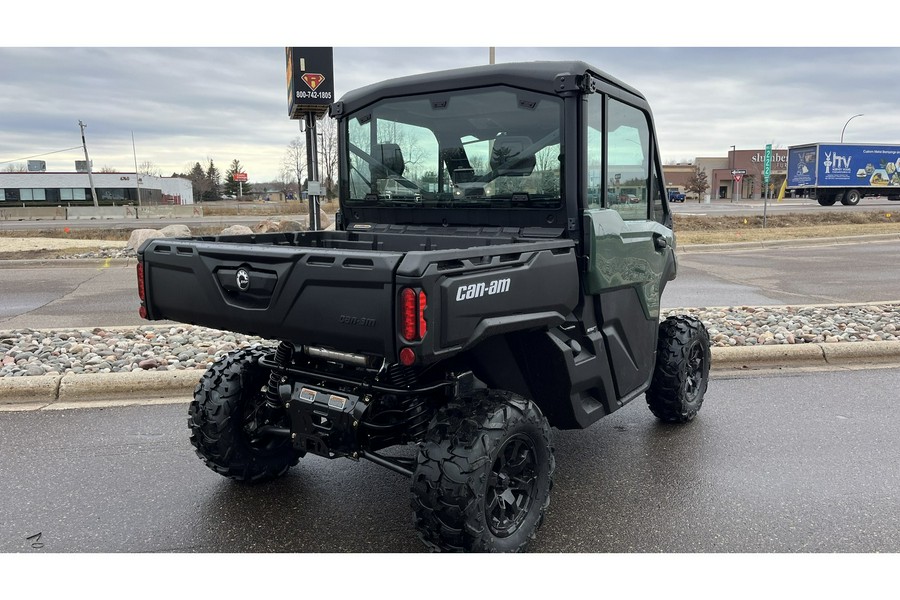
[199, 182]
[214, 182]
[232, 187]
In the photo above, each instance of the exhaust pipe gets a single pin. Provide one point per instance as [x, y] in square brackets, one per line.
[357, 360]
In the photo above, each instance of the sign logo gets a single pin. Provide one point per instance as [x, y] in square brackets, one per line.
[313, 80]
[242, 278]
[477, 290]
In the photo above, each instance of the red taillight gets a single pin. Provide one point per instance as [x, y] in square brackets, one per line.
[140, 277]
[142, 311]
[412, 315]
[423, 326]
[407, 357]
[408, 314]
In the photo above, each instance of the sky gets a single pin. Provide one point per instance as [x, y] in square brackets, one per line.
[183, 98]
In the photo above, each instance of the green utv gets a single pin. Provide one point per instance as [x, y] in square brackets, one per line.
[496, 270]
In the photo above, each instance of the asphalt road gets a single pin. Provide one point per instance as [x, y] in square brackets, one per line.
[772, 464]
[833, 274]
[746, 207]
[61, 295]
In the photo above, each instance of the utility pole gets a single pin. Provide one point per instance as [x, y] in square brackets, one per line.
[137, 175]
[87, 160]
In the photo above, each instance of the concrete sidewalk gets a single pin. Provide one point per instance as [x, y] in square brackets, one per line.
[59, 392]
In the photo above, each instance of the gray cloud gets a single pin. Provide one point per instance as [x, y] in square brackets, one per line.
[187, 105]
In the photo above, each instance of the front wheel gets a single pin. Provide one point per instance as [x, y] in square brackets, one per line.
[227, 419]
[851, 198]
[826, 200]
[682, 370]
[483, 474]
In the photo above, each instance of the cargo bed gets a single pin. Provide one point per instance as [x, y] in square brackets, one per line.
[340, 289]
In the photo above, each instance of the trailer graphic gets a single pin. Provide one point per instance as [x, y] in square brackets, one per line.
[845, 172]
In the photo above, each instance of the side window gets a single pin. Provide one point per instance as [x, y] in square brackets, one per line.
[628, 159]
[657, 193]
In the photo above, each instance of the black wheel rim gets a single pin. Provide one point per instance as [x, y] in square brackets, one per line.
[695, 368]
[511, 486]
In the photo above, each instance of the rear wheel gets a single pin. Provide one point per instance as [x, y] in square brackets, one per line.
[826, 200]
[682, 370]
[227, 419]
[851, 198]
[483, 475]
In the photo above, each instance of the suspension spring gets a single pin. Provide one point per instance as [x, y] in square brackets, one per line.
[284, 354]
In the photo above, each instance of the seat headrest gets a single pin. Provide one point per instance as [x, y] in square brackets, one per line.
[391, 159]
[505, 159]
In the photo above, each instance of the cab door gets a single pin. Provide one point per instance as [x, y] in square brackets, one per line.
[628, 237]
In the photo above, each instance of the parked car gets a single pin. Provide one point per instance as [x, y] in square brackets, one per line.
[675, 195]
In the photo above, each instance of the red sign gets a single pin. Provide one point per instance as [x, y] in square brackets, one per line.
[313, 80]
[240, 177]
[738, 177]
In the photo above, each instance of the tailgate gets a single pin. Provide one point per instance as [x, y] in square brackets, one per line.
[341, 299]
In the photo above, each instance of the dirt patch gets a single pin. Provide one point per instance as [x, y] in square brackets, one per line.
[692, 229]
[783, 221]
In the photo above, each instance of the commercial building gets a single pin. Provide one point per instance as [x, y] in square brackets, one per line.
[738, 175]
[39, 188]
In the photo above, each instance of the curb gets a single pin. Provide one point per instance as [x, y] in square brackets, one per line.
[66, 391]
[764, 244]
[26, 263]
[782, 356]
[147, 387]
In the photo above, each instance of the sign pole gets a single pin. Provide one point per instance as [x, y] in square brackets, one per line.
[767, 172]
[310, 78]
[312, 169]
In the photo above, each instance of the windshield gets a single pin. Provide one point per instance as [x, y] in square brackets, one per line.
[491, 147]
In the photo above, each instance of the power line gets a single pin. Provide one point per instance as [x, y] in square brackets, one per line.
[3, 162]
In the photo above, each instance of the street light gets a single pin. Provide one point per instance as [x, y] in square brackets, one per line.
[845, 125]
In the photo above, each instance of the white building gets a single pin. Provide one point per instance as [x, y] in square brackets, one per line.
[40, 188]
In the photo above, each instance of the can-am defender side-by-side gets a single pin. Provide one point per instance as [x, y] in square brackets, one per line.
[484, 283]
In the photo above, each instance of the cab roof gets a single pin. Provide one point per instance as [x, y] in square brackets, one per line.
[551, 77]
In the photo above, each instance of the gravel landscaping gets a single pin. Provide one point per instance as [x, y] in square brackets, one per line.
[28, 352]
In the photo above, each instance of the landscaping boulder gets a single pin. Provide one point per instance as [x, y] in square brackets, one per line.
[139, 236]
[176, 230]
[237, 230]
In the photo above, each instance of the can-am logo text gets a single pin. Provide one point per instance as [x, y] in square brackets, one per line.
[485, 288]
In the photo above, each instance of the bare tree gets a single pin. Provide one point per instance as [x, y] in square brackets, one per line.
[697, 183]
[15, 168]
[107, 169]
[295, 160]
[148, 168]
[328, 159]
[286, 182]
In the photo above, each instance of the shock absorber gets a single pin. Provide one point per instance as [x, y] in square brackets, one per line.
[284, 354]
